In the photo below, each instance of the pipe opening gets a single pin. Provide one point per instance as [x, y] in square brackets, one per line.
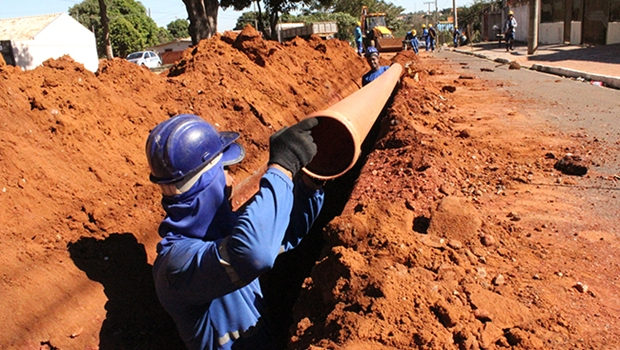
[335, 149]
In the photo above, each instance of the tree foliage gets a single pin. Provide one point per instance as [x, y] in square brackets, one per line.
[131, 29]
[354, 9]
[179, 28]
[471, 17]
[346, 22]
[252, 19]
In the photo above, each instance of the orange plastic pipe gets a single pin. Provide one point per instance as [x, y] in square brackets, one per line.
[339, 135]
[343, 127]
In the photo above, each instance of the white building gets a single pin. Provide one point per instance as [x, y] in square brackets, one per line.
[29, 41]
[171, 52]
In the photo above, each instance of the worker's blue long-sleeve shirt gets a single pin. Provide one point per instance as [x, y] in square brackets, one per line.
[209, 285]
[372, 75]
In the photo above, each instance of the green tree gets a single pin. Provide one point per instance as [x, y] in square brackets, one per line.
[470, 17]
[354, 9]
[131, 29]
[164, 36]
[179, 28]
[252, 19]
[346, 22]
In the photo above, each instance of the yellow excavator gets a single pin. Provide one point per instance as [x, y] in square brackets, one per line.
[376, 33]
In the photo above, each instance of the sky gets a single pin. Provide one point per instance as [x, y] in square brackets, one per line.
[166, 11]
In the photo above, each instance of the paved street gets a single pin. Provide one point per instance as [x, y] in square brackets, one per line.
[604, 60]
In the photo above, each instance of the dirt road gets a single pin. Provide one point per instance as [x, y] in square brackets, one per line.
[454, 231]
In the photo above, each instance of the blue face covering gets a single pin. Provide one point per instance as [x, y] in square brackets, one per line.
[203, 212]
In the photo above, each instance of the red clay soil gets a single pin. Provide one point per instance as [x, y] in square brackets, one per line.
[452, 238]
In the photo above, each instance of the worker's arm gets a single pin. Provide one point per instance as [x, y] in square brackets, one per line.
[307, 205]
[259, 231]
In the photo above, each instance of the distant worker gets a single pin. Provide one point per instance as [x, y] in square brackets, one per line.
[372, 57]
[412, 39]
[433, 36]
[209, 258]
[510, 28]
[457, 36]
[426, 37]
[358, 38]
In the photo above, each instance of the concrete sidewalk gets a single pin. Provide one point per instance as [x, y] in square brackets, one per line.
[599, 64]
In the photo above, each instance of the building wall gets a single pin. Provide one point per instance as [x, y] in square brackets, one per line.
[575, 32]
[63, 36]
[613, 33]
[522, 15]
[551, 33]
[173, 51]
[180, 45]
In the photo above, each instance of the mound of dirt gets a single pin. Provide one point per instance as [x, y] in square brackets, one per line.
[429, 250]
[75, 177]
[442, 245]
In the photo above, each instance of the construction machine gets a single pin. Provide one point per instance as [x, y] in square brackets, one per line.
[376, 33]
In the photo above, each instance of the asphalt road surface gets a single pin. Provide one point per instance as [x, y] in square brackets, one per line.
[565, 103]
[584, 111]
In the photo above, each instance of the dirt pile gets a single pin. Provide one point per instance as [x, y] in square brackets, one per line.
[443, 244]
[75, 189]
[430, 251]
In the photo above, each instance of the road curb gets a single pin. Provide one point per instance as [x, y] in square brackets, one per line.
[608, 81]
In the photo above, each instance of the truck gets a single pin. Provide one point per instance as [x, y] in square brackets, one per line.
[376, 33]
[326, 30]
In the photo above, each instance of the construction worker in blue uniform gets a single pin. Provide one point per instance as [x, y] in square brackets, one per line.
[372, 57]
[358, 38]
[426, 37]
[209, 258]
[412, 39]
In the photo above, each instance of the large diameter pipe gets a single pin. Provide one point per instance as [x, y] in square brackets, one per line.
[343, 127]
[339, 135]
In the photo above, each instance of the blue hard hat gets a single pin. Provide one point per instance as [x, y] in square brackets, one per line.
[371, 50]
[183, 144]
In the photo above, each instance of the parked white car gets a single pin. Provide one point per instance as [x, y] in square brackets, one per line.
[149, 59]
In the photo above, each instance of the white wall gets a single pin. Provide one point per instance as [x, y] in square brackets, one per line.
[613, 33]
[575, 32]
[551, 33]
[522, 15]
[63, 36]
[180, 45]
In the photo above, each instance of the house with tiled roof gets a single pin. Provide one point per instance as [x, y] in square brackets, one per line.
[27, 42]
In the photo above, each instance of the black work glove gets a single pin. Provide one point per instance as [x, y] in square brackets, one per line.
[293, 147]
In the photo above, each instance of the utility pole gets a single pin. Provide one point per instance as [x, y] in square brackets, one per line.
[455, 22]
[429, 3]
[532, 35]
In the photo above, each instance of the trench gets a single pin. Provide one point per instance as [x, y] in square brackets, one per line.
[282, 284]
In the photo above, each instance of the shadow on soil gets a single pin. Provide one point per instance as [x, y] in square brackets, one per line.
[134, 318]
